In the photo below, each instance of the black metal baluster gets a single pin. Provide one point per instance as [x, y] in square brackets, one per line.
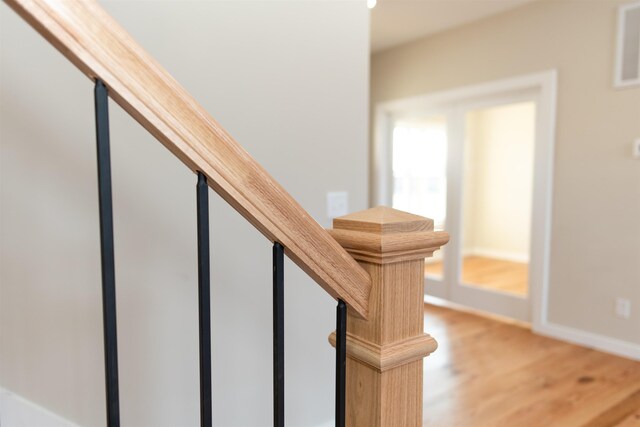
[278, 335]
[106, 254]
[341, 361]
[204, 300]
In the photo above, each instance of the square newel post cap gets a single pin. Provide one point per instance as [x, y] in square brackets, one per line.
[383, 235]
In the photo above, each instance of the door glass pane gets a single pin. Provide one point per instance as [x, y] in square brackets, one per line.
[419, 173]
[498, 185]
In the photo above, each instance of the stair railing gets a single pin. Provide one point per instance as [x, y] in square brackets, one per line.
[379, 359]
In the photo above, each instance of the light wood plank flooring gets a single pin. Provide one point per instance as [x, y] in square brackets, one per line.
[489, 373]
[490, 273]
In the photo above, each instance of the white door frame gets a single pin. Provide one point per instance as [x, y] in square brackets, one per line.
[544, 86]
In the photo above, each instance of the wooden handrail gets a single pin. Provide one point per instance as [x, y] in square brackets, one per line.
[91, 39]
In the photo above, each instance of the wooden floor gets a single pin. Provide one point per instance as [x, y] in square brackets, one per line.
[488, 373]
[490, 273]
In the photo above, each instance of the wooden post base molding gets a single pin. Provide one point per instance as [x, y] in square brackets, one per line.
[385, 352]
[389, 356]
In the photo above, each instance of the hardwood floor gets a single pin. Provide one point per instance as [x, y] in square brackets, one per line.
[506, 276]
[489, 373]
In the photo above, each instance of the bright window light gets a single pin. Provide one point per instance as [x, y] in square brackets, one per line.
[419, 168]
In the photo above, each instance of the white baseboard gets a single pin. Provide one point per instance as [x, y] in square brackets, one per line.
[503, 255]
[589, 339]
[484, 252]
[16, 411]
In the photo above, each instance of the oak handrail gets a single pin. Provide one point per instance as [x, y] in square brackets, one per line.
[95, 43]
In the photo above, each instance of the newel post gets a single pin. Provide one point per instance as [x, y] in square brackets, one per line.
[385, 352]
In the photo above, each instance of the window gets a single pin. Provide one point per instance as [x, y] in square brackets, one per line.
[419, 167]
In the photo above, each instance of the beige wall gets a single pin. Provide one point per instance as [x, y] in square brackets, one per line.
[498, 181]
[270, 72]
[595, 245]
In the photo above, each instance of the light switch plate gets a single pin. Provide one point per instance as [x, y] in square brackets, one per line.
[623, 308]
[636, 148]
[337, 204]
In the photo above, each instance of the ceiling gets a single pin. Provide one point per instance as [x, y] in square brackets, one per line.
[394, 22]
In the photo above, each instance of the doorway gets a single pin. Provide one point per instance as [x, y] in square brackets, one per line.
[477, 160]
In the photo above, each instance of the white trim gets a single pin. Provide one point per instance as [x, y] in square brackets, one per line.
[440, 302]
[437, 101]
[493, 301]
[589, 339]
[435, 286]
[17, 411]
[617, 77]
[540, 252]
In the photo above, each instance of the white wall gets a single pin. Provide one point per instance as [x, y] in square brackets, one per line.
[290, 81]
[16, 411]
[595, 244]
[498, 181]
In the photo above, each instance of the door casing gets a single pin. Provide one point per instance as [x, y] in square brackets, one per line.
[540, 88]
